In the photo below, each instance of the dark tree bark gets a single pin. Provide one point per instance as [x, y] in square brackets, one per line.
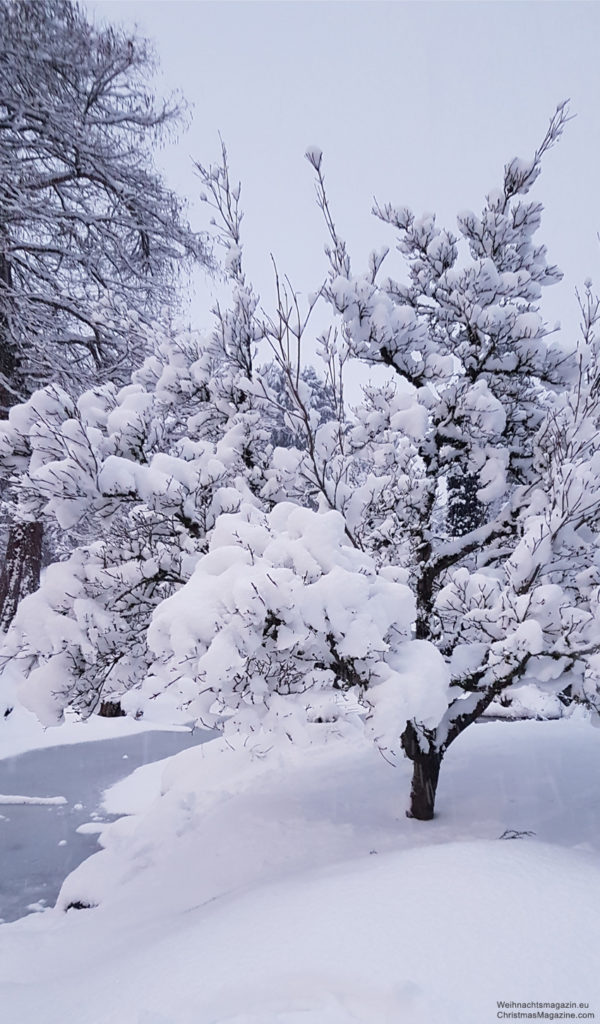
[9, 360]
[423, 788]
[21, 570]
[426, 773]
[111, 709]
[20, 573]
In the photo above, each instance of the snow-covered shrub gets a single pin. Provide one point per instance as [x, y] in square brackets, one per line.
[143, 473]
[284, 606]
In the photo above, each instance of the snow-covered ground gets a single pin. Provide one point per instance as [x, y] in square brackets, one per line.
[290, 888]
[21, 731]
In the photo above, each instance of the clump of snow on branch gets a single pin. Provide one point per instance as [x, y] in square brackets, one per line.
[284, 606]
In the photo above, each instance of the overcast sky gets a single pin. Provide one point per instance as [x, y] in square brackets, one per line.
[416, 103]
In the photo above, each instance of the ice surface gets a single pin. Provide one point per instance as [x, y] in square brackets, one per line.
[44, 837]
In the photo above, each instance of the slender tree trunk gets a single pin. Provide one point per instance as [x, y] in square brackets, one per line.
[464, 513]
[9, 360]
[20, 573]
[424, 594]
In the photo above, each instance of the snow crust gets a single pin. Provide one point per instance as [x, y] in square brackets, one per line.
[38, 800]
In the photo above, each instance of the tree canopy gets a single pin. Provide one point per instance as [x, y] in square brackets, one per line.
[253, 583]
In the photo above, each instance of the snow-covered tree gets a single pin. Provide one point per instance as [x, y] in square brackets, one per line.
[480, 401]
[460, 467]
[421, 553]
[89, 233]
[147, 469]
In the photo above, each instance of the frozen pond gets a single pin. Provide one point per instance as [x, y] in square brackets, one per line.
[39, 843]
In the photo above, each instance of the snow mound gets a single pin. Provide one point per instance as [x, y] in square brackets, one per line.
[288, 887]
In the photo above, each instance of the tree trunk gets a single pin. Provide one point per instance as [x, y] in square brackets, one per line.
[9, 358]
[20, 574]
[426, 773]
[111, 709]
[21, 571]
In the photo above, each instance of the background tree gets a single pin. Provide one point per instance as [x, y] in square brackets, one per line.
[149, 467]
[89, 234]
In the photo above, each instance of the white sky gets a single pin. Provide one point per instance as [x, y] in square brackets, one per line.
[416, 103]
